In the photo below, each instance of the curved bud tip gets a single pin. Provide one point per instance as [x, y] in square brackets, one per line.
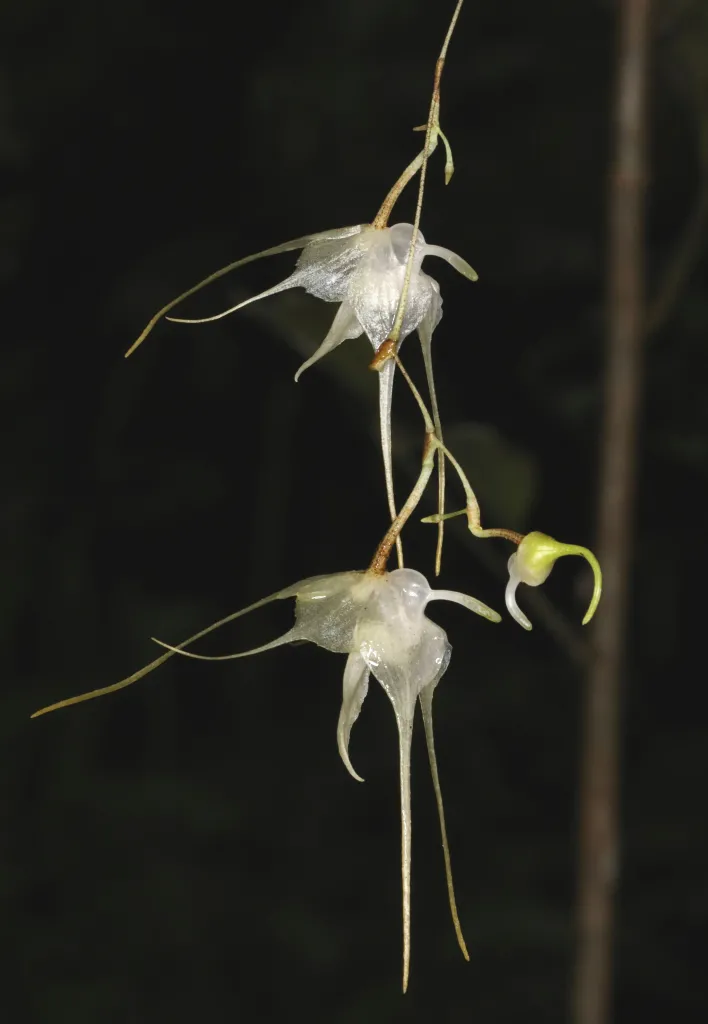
[510, 594]
[537, 554]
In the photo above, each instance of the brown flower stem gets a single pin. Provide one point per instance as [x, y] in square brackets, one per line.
[431, 140]
[432, 129]
[474, 515]
[599, 787]
[380, 221]
[433, 443]
[378, 563]
[427, 419]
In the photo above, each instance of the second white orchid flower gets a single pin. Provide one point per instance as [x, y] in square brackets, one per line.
[378, 620]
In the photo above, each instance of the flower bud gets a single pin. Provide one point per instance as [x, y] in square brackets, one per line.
[532, 562]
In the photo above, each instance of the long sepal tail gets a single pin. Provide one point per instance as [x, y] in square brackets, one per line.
[426, 704]
[129, 680]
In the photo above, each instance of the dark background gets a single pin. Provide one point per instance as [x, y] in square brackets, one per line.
[192, 848]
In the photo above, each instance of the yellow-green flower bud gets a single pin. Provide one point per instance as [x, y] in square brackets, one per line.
[532, 562]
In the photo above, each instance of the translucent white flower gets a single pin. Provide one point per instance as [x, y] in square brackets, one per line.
[379, 621]
[362, 268]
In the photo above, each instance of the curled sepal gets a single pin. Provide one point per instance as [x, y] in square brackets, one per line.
[355, 686]
[295, 243]
[532, 562]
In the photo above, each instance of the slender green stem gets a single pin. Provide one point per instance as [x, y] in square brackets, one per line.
[474, 516]
[432, 130]
[427, 419]
[381, 219]
[378, 563]
[431, 138]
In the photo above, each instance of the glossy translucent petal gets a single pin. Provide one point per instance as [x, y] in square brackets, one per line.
[289, 282]
[344, 326]
[376, 287]
[460, 265]
[326, 266]
[293, 243]
[478, 607]
[405, 652]
[355, 686]
[326, 610]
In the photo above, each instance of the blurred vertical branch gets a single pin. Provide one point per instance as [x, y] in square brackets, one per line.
[598, 796]
[598, 861]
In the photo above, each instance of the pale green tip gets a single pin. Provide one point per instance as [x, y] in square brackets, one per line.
[449, 162]
[537, 554]
[576, 549]
[597, 588]
[438, 518]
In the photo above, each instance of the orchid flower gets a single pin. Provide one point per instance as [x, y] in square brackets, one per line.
[363, 269]
[378, 620]
[532, 562]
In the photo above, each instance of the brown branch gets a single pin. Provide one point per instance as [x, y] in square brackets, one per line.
[598, 854]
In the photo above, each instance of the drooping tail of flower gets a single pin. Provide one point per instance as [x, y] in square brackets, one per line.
[426, 704]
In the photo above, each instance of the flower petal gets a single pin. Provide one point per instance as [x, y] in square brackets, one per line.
[294, 243]
[286, 638]
[344, 326]
[289, 282]
[326, 257]
[326, 266]
[354, 689]
[406, 652]
[327, 610]
[460, 265]
[377, 284]
[478, 607]
[392, 672]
